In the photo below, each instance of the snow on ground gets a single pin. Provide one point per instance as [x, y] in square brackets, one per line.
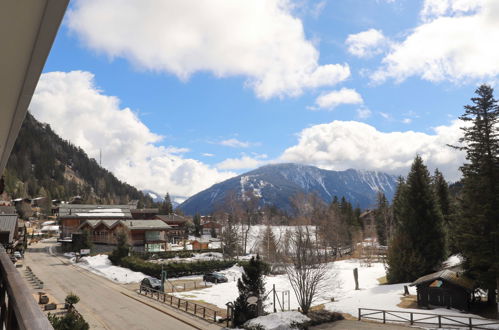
[101, 265]
[340, 285]
[256, 233]
[278, 321]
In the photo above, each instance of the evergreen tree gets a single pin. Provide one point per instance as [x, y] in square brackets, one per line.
[250, 284]
[268, 245]
[441, 190]
[382, 219]
[122, 248]
[477, 233]
[213, 232]
[418, 246]
[166, 206]
[229, 238]
[197, 225]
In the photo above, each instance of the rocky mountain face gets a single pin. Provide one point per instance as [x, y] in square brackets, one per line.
[276, 184]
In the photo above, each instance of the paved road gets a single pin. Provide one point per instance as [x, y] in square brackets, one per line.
[102, 302]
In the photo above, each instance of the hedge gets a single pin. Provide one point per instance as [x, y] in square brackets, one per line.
[171, 254]
[175, 269]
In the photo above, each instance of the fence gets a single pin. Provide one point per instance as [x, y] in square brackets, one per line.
[190, 307]
[185, 286]
[426, 319]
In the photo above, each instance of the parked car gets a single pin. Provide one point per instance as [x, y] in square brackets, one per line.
[18, 255]
[214, 277]
[151, 283]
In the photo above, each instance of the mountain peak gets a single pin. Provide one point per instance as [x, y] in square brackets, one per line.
[275, 184]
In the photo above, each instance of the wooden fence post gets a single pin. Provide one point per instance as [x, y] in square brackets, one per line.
[384, 317]
[359, 314]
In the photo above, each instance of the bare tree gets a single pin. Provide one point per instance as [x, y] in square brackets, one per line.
[306, 268]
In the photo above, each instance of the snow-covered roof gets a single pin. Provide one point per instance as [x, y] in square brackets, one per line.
[50, 228]
[131, 224]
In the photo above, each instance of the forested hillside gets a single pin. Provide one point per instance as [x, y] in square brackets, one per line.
[43, 164]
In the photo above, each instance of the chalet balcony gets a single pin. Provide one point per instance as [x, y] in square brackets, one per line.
[18, 309]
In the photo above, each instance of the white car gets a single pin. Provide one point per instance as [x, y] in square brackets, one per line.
[18, 255]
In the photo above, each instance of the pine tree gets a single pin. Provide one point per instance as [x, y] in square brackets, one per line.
[382, 219]
[250, 284]
[268, 245]
[441, 190]
[229, 238]
[477, 233]
[166, 206]
[197, 225]
[418, 243]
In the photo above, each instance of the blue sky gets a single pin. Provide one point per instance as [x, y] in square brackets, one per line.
[179, 95]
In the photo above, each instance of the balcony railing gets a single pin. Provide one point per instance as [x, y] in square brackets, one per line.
[18, 308]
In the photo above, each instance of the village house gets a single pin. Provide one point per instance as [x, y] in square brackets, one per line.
[9, 229]
[177, 223]
[209, 226]
[71, 216]
[144, 214]
[447, 288]
[143, 235]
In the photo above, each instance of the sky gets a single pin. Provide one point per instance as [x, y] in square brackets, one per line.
[178, 95]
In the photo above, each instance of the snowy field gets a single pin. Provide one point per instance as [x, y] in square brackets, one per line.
[339, 285]
[256, 233]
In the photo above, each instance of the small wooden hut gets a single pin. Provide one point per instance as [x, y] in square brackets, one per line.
[447, 288]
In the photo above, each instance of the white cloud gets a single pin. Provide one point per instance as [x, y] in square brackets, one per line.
[385, 115]
[81, 113]
[407, 120]
[364, 113]
[259, 39]
[367, 43]
[340, 145]
[335, 98]
[243, 163]
[235, 143]
[206, 154]
[457, 41]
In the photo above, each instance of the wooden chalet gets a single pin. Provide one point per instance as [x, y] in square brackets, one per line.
[71, 216]
[447, 288]
[143, 235]
[177, 225]
[211, 225]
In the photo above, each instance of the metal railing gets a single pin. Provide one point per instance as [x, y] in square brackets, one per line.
[187, 306]
[454, 321]
[18, 309]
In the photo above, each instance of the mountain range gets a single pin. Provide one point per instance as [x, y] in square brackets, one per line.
[276, 184]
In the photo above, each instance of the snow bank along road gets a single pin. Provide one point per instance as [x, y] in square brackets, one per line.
[102, 302]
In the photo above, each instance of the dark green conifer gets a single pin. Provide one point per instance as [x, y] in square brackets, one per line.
[477, 233]
[418, 243]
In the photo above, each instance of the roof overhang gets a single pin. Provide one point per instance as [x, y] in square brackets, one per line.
[27, 32]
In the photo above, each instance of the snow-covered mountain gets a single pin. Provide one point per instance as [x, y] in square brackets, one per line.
[276, 184]
[158, 198]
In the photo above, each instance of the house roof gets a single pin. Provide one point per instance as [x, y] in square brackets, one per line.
[172, 218]
[448, 275]
[154, 211]
[94, 211]
[7, 210]
[8, 222]
[212, 224]
[130, 224]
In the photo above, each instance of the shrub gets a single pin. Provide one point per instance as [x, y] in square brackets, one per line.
[174, 269]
